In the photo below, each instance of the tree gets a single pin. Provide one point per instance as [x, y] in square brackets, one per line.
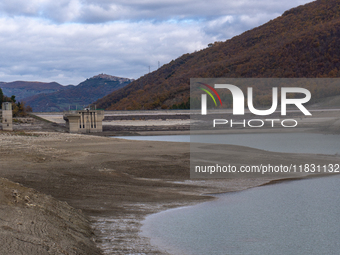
[1, 97]
[29, 108]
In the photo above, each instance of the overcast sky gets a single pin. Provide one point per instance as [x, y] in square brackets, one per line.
[68, 41]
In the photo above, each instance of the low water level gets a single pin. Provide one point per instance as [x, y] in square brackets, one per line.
[299, 217]
[276, 142]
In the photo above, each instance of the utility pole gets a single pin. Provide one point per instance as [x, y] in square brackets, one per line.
[149, 69]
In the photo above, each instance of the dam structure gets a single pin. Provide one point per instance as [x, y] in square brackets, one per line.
[84, 121]
[6, 116]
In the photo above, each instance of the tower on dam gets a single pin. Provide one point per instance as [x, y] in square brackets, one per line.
[84, 121]
[6, 116]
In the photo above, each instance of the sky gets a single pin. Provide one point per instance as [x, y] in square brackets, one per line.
[68, 41]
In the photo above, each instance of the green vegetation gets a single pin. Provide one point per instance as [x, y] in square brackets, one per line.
[19, 108]
[1, 97]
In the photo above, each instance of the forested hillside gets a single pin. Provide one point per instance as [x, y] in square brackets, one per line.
[302, 42]
[23, 89]
[81, 95]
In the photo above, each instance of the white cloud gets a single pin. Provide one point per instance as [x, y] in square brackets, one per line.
[71, 40]
[122, 49]
[92, 11]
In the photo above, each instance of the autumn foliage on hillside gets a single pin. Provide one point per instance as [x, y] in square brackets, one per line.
[303, 42]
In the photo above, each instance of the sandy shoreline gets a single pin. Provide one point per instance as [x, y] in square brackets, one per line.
[116, 182]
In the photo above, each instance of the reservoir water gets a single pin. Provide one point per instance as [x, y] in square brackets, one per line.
[298, 217]
[277, 142]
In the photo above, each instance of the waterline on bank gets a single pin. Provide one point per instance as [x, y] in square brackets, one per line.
[276, 142]
[297, 217]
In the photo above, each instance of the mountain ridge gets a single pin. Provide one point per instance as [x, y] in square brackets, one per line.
[83, 94]
[23, 89]
[302, 42]
[31, 84]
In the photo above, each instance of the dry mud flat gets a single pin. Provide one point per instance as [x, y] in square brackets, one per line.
[34, 223]
[115, 183]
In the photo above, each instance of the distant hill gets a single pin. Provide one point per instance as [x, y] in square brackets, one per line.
[302, 42]
[23, 89]
[81, 95]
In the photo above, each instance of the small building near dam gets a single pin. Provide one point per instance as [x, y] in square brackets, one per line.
[6, 116]
[84, 121]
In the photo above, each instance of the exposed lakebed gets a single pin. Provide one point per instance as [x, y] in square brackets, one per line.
[298, 217]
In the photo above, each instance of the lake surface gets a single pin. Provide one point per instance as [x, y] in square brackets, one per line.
[298, 217]
[277, 142]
